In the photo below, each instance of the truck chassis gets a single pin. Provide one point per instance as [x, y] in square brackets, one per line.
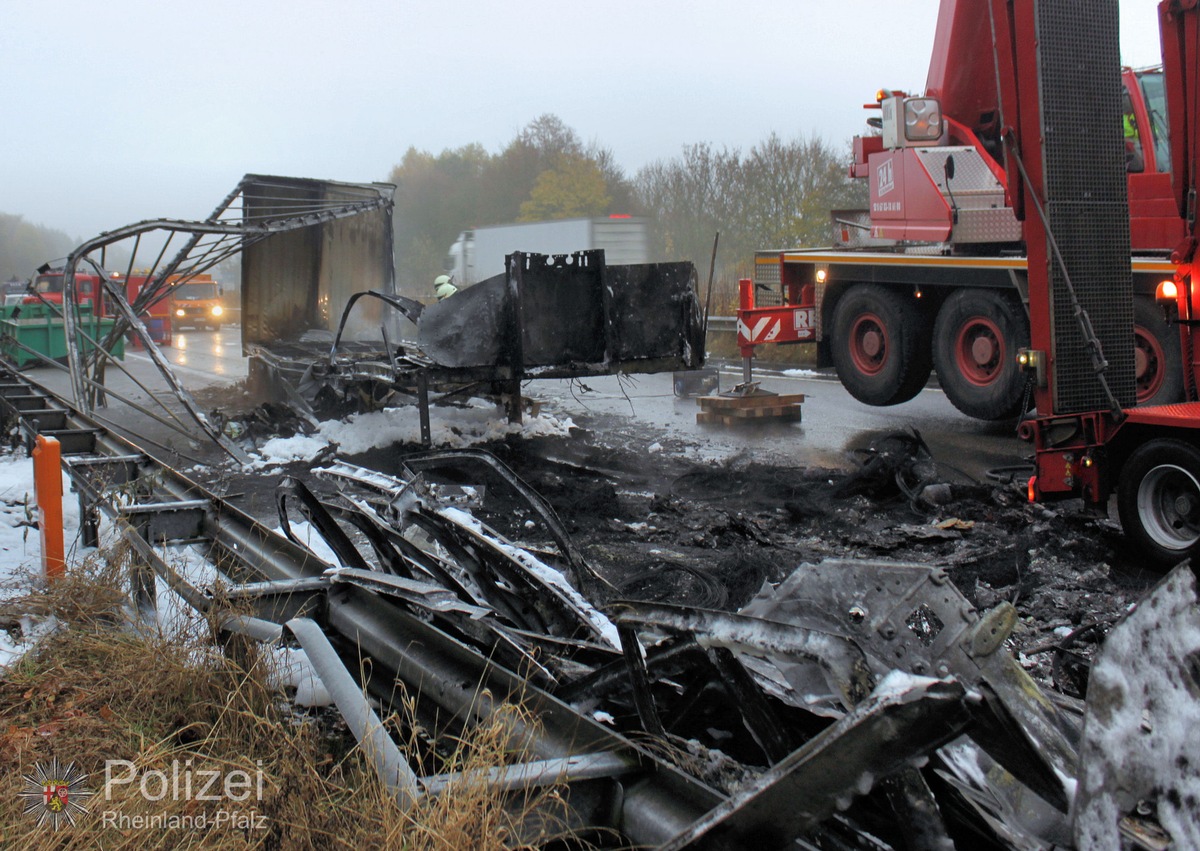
[886, 320]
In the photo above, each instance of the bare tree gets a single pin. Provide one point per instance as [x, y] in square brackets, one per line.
[779, 195]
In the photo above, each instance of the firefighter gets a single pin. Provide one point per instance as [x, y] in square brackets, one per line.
[1133, 144]
[443, 287]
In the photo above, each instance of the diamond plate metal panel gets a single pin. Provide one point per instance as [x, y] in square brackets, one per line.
[990, 225]
[1080, 89]
[973, 184]
[767, 275]
[975, 192]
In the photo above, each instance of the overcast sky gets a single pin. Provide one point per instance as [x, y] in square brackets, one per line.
[126, 110]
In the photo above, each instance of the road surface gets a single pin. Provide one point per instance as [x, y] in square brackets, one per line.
[833, 422]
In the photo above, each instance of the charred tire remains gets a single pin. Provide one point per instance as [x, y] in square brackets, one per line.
[975, 342]
[1157, 361]
[1159, 500]
[878, 345]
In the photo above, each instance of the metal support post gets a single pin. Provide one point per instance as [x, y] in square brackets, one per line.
[423, 405]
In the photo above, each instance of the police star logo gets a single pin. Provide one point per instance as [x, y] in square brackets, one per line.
[55, 794]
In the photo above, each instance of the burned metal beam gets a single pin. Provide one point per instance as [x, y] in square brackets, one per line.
[758, 636]
[363, 721]
[881, 736]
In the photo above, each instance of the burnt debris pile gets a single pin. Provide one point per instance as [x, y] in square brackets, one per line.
[854, 702]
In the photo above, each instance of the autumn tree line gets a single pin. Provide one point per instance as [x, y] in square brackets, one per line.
[776, 195]
[25, 246]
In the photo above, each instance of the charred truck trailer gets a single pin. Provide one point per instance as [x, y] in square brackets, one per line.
[321, 315]
[934, 275]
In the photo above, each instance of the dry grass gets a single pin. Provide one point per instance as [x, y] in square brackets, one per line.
[97, 690]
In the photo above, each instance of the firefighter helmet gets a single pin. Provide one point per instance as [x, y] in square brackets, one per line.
[443, 287]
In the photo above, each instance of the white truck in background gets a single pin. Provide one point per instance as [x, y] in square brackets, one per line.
[479, 253]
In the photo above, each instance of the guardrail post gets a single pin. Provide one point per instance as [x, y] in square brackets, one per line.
[47, 483]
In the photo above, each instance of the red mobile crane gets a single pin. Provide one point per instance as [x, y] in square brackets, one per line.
[934, 274]
[1088, 441]
[1050, 135]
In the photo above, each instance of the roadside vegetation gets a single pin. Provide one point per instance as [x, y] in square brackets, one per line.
[97, 689]
[776, 195]
[24, 246]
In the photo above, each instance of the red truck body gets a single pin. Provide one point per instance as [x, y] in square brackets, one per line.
[48, 287]
[933, 275]
[1148, 456]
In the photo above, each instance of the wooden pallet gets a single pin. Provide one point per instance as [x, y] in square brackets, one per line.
[731, 410]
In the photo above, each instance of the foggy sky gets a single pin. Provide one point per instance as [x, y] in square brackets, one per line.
[129, 110]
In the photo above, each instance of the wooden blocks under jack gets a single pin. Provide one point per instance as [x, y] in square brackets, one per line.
[758, 407]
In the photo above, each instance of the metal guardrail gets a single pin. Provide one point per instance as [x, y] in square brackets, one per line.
[613, 785]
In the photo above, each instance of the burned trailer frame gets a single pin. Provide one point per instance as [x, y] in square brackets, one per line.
[548, 316]
[915, 673]
[351, 224]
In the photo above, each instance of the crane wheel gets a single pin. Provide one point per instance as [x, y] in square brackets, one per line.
[879, 345]
[1158, 499]
[1158, 366]
[975, 342]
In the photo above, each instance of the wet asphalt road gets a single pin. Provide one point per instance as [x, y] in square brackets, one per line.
[201, 360]
[833, 422]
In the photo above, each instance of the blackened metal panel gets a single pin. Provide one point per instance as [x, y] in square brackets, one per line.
[570, 311]
[299, 281]
[469, 329]
[654, 312]
[561, 307]
[1080, 88]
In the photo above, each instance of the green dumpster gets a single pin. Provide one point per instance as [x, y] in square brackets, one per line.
[38, 327]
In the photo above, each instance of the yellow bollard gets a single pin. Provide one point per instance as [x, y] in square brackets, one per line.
[47, 484]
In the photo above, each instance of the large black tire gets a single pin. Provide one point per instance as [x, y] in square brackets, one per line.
[975, 342]
[880, 345]
[1158, 499]
[1158, 364]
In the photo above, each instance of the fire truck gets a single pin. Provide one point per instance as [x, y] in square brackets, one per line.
[934, 276]
[47, 287]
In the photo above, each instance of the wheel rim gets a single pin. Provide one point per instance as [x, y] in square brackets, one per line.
[979, 351]
[1149, 364]
[868, 344]
[1168, 504]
